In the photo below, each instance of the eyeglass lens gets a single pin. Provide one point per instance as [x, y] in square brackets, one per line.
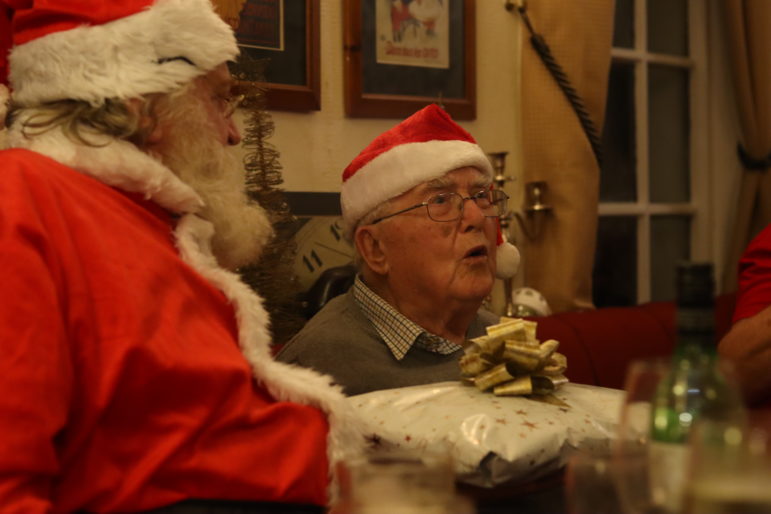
[449, 206]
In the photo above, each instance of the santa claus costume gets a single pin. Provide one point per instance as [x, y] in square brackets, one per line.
[135, 372]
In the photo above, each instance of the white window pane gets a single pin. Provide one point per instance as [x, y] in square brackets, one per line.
[615, 263]
[618, 177]
[670, 243]
[669, 134]
[668, 26]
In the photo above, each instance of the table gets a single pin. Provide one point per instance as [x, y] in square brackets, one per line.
[545, 495]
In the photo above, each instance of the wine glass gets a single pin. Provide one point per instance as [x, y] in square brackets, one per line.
[590, 483]
[730, 468]
[640, 490]
[400, 481]
[641, 382]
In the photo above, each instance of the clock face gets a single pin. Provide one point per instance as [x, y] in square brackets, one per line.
[320, 246]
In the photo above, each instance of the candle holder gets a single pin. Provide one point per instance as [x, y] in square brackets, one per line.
[536, 210]
[498, 161]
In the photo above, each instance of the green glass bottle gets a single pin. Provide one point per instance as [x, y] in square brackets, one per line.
[694, 388]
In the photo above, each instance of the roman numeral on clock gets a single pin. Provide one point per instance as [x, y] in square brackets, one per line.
[314, 262]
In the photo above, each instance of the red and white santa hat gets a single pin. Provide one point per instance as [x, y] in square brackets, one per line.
[425, 146]
[94, 49]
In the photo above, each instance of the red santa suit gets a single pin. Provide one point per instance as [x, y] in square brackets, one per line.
[754, 277]
[134, 371]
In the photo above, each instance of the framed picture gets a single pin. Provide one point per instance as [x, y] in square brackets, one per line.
[401, 55]
[284, 35]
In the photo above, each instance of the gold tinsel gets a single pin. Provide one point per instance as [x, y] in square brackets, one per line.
[273, 276]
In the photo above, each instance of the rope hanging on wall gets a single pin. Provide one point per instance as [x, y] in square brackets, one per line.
[544, 52]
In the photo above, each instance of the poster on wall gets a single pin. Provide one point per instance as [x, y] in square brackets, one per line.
[401, 55]
[261, 25]
[413, 33]
[279, 43]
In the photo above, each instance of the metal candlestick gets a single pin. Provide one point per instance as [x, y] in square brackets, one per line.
[498, 161]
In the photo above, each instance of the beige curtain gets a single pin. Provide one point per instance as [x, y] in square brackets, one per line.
[748, 30]
[556, 150]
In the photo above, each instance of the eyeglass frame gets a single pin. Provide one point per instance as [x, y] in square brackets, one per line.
[473, 198]
[229, 104]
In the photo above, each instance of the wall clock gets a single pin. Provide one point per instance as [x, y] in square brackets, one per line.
[320, 246]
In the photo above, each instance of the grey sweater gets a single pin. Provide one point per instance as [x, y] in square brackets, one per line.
[340, 341]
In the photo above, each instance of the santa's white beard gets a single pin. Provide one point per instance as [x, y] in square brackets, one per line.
[192, 151]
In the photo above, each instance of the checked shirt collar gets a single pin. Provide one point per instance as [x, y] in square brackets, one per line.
[398, 332]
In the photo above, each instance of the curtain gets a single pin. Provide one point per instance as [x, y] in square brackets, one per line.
[748, 30]
[559, 262]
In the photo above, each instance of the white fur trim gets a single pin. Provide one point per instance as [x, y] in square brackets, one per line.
[118, 164]
[506, 260]
[400, 169]
[284, 382]
[120, 59]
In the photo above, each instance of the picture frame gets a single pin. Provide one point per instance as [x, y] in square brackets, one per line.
[392, 75]
[284, 35]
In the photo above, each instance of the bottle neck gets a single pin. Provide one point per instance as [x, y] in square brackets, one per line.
[696, 329]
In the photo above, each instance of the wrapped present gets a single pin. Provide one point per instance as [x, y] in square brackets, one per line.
[510, 361]
[492, 439]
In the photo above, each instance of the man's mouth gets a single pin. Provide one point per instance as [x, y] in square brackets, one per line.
[477, 251]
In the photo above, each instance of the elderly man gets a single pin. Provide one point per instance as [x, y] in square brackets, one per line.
[135, 371]
[418, 206]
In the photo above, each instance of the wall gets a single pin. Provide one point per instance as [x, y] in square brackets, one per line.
[316, 147]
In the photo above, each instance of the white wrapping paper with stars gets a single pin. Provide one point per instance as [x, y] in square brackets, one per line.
[492, 439]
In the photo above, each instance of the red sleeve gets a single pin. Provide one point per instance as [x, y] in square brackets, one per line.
[35, 370]
[755, 277]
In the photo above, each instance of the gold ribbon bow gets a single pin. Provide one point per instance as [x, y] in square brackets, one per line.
[510, 361]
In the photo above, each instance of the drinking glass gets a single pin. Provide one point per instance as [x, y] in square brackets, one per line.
[640, 384]
[730, 469]
[400, 482]
[590, 483]
[639, 491]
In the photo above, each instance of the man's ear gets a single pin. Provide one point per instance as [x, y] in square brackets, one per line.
[147, 125]
[370, 248]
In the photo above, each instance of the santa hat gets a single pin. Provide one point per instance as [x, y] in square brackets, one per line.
[425, 146]
[92, 49]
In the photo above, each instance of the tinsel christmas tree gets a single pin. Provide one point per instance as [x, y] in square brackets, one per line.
[273, 276]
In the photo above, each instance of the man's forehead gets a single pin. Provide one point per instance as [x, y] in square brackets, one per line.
[454, 177]
[219, 77]
[449, 180]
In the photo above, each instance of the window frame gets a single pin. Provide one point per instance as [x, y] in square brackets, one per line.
[698, 208]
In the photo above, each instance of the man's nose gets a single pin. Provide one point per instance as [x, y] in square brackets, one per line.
[233, 134]
[472, 216]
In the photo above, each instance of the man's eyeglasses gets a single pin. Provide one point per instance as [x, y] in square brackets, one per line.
[228, 104]
[449, 206]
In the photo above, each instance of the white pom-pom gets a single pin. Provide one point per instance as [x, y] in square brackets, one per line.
[507, 260]
[5, 95]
